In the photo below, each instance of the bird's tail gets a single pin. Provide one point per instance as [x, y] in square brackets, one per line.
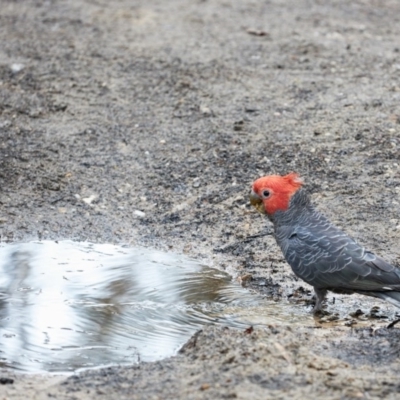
[390, 297]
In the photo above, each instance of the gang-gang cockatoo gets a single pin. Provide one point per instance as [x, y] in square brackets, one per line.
[319, 252]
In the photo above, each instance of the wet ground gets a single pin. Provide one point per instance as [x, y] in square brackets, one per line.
[144, 124]
[67, 306]
[70, 305]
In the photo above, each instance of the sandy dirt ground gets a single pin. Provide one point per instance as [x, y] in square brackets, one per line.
[145, 122]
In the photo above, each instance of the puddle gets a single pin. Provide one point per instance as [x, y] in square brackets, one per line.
[68, 305]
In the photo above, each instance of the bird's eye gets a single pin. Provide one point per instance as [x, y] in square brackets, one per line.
[266, 194]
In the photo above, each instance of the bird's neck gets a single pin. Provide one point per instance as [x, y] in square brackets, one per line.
[299, 207]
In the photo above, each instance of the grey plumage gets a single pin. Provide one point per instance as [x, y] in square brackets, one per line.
[328, 259]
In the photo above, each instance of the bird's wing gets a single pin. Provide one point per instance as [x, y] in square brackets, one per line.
[328, 258]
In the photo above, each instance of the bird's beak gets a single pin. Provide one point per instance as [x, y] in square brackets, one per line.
[257, 202]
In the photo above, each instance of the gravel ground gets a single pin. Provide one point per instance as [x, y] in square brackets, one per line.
[145, 123]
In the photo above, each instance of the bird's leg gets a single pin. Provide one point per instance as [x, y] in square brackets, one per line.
[320, 296]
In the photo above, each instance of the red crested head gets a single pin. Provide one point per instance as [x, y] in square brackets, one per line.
[272, 193]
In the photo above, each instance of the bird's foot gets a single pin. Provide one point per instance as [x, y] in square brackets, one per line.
[321, 313]
[319, 298]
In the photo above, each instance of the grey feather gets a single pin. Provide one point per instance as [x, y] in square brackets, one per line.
[328, 259]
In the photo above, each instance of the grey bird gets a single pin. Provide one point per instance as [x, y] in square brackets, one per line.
[317, 251]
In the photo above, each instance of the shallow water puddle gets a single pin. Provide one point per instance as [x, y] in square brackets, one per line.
[69, 305]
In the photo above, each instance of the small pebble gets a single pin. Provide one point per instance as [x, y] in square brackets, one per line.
[89, 200]
[17, 67]
[196, 182]
[205, 110]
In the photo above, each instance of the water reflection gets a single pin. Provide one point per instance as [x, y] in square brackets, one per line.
[70, 305]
